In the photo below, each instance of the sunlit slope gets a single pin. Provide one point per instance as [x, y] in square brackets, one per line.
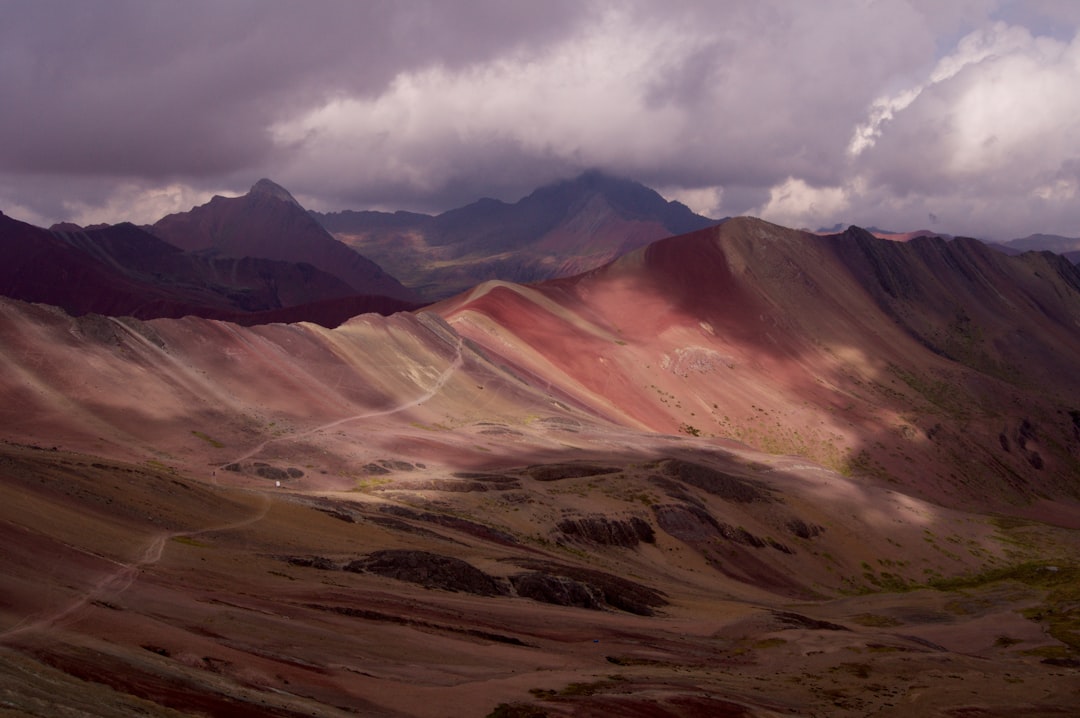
[943, 366]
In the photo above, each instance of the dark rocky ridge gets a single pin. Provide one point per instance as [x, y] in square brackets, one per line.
[122, 270]
[268, 222]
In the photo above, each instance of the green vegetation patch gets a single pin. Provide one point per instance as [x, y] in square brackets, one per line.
[876, 620]
[208, 439]
[517, 710]
[1033, 573]
[1060, 609]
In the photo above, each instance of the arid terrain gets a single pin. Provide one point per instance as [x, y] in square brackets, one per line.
[747, 471]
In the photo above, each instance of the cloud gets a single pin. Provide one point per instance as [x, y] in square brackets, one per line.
[990, 138]
[697, 100]
[870, 112]
[794, 203]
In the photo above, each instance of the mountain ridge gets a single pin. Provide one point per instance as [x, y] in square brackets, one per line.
[123, 270]
[784, 307]
[820, 462]
[556, 230]
[268, 222]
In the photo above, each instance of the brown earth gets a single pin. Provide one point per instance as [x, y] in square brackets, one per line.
[640, 492]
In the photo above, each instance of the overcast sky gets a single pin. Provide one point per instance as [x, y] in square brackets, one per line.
[962, 117]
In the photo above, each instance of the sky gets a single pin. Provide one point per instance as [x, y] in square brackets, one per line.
[961, 117]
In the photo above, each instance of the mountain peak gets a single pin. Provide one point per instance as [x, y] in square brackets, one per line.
[269, 188]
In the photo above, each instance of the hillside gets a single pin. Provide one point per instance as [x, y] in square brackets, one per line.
[945, 361]
[744, 471]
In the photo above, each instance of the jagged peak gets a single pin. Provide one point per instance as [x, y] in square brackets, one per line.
[269, 188]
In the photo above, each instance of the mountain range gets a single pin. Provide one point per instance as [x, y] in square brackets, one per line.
[558, 230]
[1069, 247]
[744, 470]
[268, 222]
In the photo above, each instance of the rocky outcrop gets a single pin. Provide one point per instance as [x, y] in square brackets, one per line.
[586, 588]
[558, 590]
[557, 472]
[430, 570]
[713, 481]
[599, 529]
[471, 528]
[803, 530]
[688, 523]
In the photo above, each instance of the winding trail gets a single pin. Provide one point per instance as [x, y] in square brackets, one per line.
[114, 583]
[440, 381]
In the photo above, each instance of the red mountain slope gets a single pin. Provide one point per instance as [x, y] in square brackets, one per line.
[948, 367]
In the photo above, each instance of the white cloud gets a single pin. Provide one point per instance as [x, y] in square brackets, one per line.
[999, 39]
[990, 140]
[794, 203]
[137, 203]
[706, 201]
[582, 100]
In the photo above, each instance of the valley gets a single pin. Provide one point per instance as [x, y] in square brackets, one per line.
[746, 471]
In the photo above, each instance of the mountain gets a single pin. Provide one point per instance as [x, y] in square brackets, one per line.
[558, 230]
[892, 234]
[1068, 247]
[1045, 242]
[269, 223]
[123, 270]
[743, 471]
[940, 356]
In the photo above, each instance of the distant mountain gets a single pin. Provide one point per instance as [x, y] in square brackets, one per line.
[1045, 242]
[558, 230]
[268, 222]
[1068, 247]
[124, 270]
[735, 447]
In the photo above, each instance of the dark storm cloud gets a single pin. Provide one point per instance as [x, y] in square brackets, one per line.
[188, 89]
[874, 112]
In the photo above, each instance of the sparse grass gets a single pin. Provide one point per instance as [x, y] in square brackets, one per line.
[1060, 609]
[691, 430]
[188, 541]
[876, 620]
[859, 670]
[631, 661]
[1048, 652]
[517, 710]
[579, 690]
[370, 484]
[208, 439]
[1039, 574]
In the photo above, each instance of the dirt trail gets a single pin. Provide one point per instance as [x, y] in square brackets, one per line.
[113, 584]
[459, 360]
